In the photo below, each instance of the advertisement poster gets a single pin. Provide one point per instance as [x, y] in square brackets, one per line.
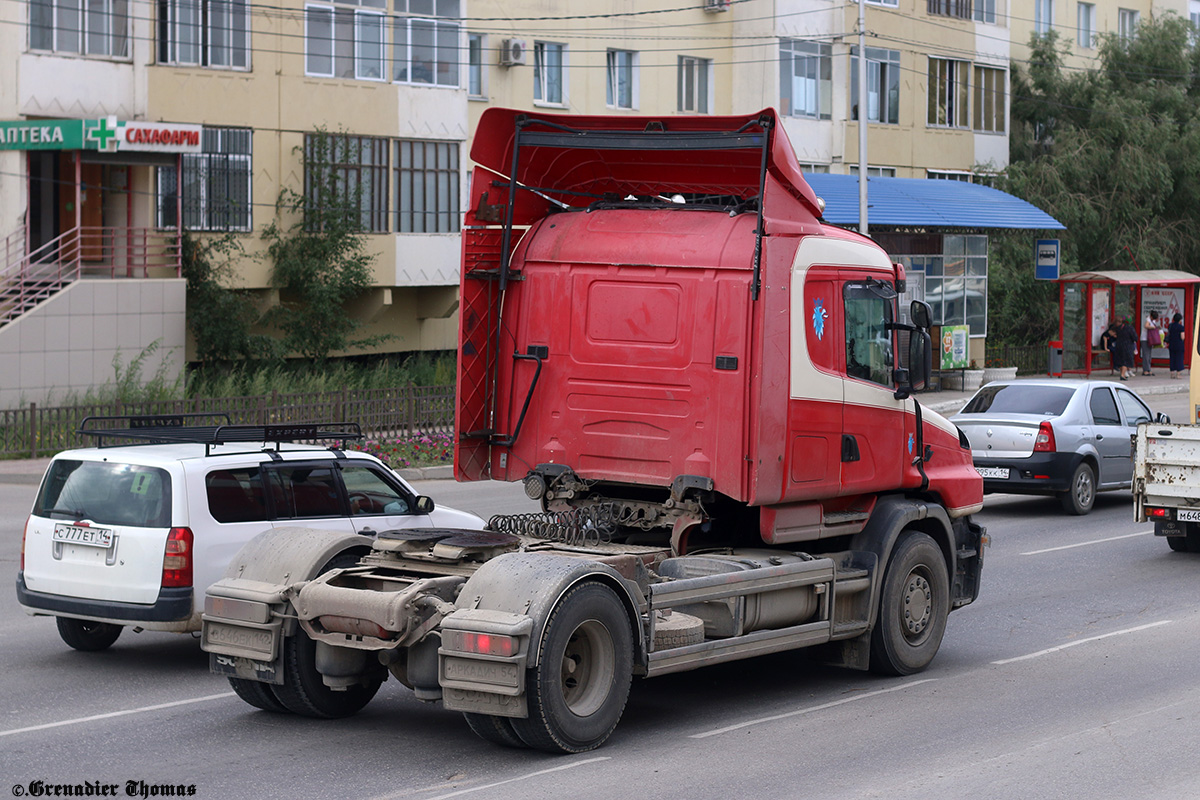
[954, 346]
[1167, 302]
[1101, 310]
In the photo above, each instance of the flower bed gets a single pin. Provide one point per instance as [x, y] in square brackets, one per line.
[421, 450]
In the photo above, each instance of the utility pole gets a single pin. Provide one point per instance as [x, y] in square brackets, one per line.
[862, 117]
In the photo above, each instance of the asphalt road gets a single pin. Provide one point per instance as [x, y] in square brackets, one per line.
[1072, 676]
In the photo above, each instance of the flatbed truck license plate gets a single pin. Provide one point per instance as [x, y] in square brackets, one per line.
[1188, 515]
[993, 472]
[83, 534]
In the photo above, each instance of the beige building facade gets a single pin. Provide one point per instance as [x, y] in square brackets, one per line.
[197, 114]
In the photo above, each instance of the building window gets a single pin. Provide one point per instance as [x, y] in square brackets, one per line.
[692, 82]
[1194, 17]
[620, 84]
[892, 3]
[883, 85]
[950, 8]
[426, 42]
[875, 172]
[1127, 23]
[985, 11]
[548, 61]
[989, 99]
[476, 76]
[87, 27]
[1087, 25]
[347, 174]
[427, 187]
[805, 78]
[822, 169]
[343, 42]
[947, 93]
[949, 175]
[206, 33]
[216, 184]
[1043, 16]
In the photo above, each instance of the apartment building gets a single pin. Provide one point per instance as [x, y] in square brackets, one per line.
[1080, 25]
[124, 121]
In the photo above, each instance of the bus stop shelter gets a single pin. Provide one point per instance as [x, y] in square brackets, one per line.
[1089, 301]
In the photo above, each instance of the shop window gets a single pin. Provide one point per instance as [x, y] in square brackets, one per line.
[549, 60]
[216, 184]
[621, 79]
[427, 187]
[693, 84]
[207, 33]
[347, 174]
[425, 42]
[883, 85]
[86, 27]
[805, 78]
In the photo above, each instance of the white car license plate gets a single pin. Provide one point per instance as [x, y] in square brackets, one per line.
[1188, 515]
[993, 472]
[83, 534]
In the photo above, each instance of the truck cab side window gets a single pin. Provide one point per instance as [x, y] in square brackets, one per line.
[868, 339]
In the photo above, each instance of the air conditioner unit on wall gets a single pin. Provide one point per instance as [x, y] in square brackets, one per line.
[714, 6]
[512, 52]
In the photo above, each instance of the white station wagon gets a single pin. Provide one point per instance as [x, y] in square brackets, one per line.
[131, 534]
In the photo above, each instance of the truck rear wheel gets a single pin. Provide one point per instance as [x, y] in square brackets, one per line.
[913, 606]
[258, 694]
[88, 636]
[577, 692]
[303, 691]
[497, 730]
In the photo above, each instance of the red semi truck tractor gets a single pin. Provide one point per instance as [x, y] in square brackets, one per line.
[710, 392]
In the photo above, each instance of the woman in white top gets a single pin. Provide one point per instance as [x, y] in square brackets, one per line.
[1147, 344]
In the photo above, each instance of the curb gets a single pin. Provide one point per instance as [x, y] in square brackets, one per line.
[438, 473]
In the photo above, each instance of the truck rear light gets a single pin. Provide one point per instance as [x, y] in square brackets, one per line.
[484, 644]
[1158, 513]
[1044, 443]
[177, 559]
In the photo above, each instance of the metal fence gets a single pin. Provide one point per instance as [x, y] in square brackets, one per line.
[34, 431]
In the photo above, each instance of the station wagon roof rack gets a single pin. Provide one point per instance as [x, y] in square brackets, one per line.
[190, 428]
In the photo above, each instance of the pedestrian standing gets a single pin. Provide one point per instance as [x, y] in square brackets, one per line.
[1151, 338]
[1126, 344]
[1175, 344]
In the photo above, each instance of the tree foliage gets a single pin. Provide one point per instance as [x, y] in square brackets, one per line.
[221, 317]
[1113, 153]
[319, 259]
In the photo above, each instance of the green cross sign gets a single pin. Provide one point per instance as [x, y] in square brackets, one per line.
[102, 134]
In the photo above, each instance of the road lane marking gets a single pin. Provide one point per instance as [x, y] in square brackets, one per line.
[822, 707]
[1050, 650]
[112, 714]
[517, 779]
[1085, 544]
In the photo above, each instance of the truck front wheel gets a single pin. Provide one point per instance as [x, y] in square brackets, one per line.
[912, 609]
[577, 692]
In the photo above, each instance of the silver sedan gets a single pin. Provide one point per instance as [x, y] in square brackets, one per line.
[1069, 438]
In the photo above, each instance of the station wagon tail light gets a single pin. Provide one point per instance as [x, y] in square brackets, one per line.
[1044, 443]
[24, 536]
[177, 558]
[484, 644]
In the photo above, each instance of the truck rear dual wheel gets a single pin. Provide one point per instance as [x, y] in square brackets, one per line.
[912, 608]
[303, 691]
[578, 690]
[497, 730]
[258, 694]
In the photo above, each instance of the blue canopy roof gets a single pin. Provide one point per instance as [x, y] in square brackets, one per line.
[926, 203]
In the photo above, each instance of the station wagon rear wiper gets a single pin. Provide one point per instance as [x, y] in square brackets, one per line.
[77, 513]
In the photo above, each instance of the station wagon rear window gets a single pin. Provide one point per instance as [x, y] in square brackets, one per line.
[1048, 401]
[106, 493]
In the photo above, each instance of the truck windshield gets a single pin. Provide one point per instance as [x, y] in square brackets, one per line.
[1049, 401]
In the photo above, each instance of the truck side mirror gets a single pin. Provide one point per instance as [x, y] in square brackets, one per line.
[920, 358]
[921, 314]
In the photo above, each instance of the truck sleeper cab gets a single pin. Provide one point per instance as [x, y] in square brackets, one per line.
[712, 400]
